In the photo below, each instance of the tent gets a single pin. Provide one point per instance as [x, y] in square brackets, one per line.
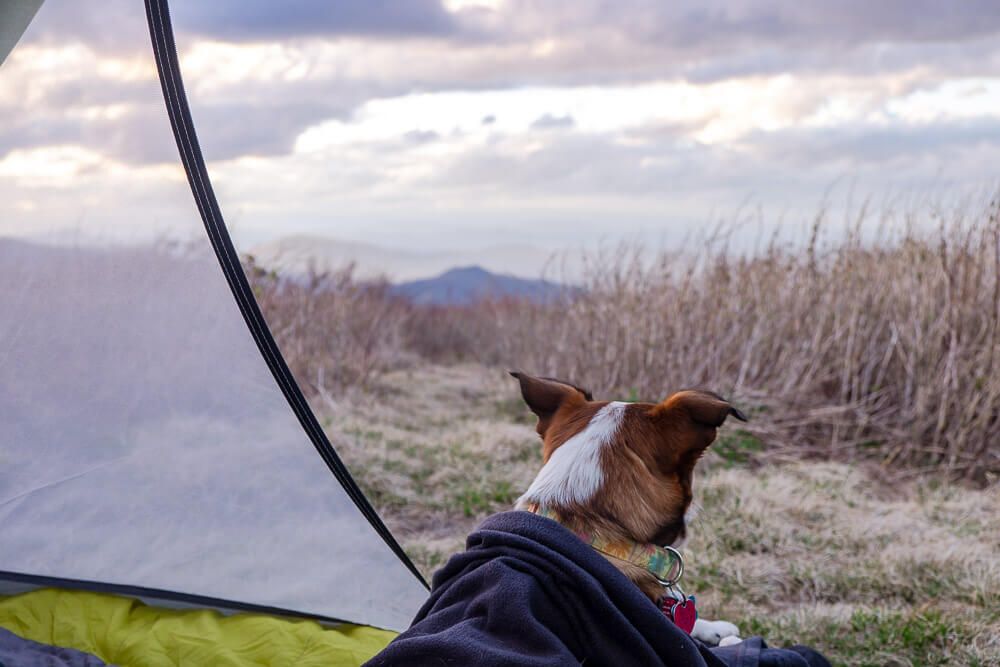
[153, 443]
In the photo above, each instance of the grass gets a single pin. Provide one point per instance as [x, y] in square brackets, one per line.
[868, 568]
[826, 554]
[878, 638]
[858, 345]
[738, 447]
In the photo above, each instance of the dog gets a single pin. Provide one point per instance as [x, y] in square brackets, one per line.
[619, 474]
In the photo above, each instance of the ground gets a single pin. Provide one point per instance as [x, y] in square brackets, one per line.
[871, 570]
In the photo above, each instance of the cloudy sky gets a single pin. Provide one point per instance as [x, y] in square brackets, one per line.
[453, 123]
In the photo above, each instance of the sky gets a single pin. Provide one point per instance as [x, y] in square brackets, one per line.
[430, 124]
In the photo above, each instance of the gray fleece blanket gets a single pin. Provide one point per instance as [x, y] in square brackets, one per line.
[19, 652]
[529, 593]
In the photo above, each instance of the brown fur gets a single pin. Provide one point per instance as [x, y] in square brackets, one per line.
[647, 467]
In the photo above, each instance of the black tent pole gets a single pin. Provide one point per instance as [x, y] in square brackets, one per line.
[165, 51]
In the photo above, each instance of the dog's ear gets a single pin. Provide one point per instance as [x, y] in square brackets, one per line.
[545, 396]
[701, 412]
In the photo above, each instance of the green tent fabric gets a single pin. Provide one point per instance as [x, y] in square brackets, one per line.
[124, 631]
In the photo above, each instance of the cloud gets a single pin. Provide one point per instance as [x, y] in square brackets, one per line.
[421, 136]
[127, 121]
[568, 41]
[782, 165]
[521, 110]
[875, 143]
[812, 24]
[550, 122]
[120, 25]
[240, 20]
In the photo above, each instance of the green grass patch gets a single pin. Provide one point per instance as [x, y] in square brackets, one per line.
[426, 559]
[514, 410]
[737, 448]
[876, 637]
[475, 500]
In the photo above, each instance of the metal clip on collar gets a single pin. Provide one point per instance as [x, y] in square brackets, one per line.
[674, 584]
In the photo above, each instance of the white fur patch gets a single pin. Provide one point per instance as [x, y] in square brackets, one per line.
[692, 513]
[573, 473]
[715, 632]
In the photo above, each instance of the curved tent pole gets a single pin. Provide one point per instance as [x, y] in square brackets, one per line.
[165, 51]
[15, 17]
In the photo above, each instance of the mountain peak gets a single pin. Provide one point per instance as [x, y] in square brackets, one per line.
[471, 271]
[469, 284]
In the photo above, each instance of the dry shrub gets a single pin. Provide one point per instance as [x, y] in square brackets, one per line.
[885, 349]
[335, 332]
[450, 334]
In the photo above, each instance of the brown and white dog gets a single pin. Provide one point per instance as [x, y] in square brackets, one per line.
[622, 471]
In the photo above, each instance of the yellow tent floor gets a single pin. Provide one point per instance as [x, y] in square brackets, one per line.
[124, 631]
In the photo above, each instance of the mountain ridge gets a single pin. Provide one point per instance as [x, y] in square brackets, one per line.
[300, 253]
[466, 285]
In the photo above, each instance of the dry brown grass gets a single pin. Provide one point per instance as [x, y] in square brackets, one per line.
[822, 553]
[336, 333]
[885, 350]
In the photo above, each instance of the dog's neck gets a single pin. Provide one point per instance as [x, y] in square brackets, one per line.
[648, 566]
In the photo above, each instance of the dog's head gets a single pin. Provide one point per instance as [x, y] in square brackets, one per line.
[628, 465]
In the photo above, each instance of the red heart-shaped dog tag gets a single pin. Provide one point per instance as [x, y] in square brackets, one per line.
[684, 615]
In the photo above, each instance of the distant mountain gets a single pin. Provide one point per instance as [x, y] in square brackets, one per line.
[297, 254]
[467, 285]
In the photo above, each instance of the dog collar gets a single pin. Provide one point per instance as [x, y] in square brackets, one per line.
[664, 563]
